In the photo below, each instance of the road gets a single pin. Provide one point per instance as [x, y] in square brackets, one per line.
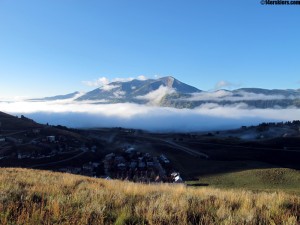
[19, 132]
[53, 163]
[180, 147]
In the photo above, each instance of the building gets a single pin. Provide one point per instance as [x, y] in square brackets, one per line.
[36, 131]
[176, 177]
[164, 159]
[51, 138]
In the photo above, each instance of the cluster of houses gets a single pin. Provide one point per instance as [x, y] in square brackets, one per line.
[88, 169]
[45, 146]
[126, 164]
[136, 166]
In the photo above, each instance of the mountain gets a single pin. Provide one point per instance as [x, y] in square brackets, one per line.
[58, 97]
[170, 92]
[134, 90]
[248, 97]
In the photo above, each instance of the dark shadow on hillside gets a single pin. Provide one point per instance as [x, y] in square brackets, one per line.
[198, 185]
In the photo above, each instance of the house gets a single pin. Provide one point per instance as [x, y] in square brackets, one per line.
[94, 148]
[133, 165]
[87, 166]
[23, 155]
[129, 150]
[164, 159]
[150, 164]
[122, 166]
[36, 131]
[51, 138]
[109, 156]
[176, 177]
[105, 177]
[142, 165]
[120, 159]
[95, 164]
[74, 170]
[84, 149]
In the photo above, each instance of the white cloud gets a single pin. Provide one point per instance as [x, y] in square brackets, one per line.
[154, 97]
[206, 117]
[223, 95]
[119, 94]
[118, 79]
[142, 77]
[109, 87]
[97, 83]
[225, 84]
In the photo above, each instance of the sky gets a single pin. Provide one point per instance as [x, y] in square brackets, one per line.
[55, 47]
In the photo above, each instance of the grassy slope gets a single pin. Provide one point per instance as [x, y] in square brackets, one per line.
[40, 197]
[273, 179]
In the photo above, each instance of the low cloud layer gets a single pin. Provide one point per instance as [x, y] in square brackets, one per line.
[87, 115]
[223, 95]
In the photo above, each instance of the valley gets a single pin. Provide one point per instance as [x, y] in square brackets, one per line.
[196, 156]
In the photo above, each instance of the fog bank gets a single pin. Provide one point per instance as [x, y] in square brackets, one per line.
[87, 115]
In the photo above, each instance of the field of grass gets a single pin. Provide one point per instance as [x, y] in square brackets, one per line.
[273, 179]
[41, 197]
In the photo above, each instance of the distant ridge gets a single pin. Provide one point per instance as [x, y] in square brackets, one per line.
[57, 97]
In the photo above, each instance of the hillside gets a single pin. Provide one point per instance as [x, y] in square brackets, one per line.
[25, 143]
[40, 197]
[272, 179]
[9, 122]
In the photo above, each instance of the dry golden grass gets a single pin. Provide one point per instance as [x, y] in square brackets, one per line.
[41, 197]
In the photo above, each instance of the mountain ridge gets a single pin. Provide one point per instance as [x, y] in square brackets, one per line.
[130, 90]
[170, 92]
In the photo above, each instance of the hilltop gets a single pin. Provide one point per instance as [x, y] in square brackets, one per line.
[40, 197]
[9, 122]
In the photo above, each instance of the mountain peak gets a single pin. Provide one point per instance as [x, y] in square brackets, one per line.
[129, 91]
[168, 81]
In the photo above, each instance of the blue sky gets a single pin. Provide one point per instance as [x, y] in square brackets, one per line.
[50, 47]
